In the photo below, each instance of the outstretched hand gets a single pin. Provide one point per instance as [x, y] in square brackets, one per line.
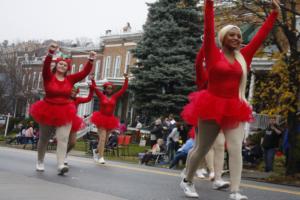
[53, 47]
[92, 55]
[93, 85]
[276, 5]
[125, 75]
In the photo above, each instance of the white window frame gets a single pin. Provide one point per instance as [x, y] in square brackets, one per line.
[28, 81]
[97, 68]
[23, 79]
[33, 80]
[107, 66]
[80, 67]
[39, 80]
[127, 60]
[117, 66]
[73, 69]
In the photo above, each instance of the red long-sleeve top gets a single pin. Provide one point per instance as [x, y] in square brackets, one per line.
[223, 76]
[201, 73]
[107, 105]
[79, 100]
[59, 92]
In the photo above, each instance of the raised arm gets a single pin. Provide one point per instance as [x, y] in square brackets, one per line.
[201, 73]
[249, 50]
[74, 78]
[47, 74]
[99, 94]
[209, 32]
[123, 89]
[80, 100]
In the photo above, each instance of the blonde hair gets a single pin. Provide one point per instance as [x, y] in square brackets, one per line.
[239, 57]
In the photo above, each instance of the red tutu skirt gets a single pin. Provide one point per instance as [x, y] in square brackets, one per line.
[107, 122]
[77, 124]
[52, 114]
[227, 112]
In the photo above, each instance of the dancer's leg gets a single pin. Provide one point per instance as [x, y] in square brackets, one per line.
[102, 139]
[207, 133]
[45, 135]
[72, 142]
[62, 136]
[234, 138]
[219, 148]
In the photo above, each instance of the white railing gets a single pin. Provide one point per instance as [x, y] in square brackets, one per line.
[88, 128]
[261, 121]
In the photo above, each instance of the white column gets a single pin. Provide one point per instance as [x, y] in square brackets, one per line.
[250, 97]
[252, 87]
[27, 109]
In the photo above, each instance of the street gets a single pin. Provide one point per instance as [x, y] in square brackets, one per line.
[113, 181]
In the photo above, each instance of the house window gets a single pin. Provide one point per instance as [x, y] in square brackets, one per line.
[39, 80]
[33, 80]
[80, 67]
[97, 69]
[117, 70]
[23, 80]
[107, 66]
[127, 61]
[28, 81]
[73, 69]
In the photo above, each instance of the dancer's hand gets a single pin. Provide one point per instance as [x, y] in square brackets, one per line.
[93, 85]
[92, 55]
[91, 76]
[53, 47]
[125, 75]
[276, 5]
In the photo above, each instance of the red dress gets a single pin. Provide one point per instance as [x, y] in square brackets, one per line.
[78, 122]
[220, 101]
[104, 118]
[57, 109]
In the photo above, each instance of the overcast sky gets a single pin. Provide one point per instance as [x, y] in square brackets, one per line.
[68, 19]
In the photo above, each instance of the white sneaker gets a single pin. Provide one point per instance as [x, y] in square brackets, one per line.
[101, 160]
[66, 161]
[40, 167]
[200, 174]
[220, 184]
[62, 170]
[237, 196]
[95, 156]
[204, 171]
[211, 176]
[189, 189]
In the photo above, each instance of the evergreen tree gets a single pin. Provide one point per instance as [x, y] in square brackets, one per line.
[167, 53]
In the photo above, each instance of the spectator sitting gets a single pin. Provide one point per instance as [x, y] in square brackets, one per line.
[29, 136]
[138, 127]
[157, 148]
[173, 141]
[112, 141]
[156, 132]
[122, 127]
[251, 152]
[182, 153]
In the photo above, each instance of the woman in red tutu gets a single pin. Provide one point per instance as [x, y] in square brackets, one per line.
[104, 119]
[78, 122]
[56, 111]
[223, 105]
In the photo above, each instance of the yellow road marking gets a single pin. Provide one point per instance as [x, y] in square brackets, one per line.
[82, 160]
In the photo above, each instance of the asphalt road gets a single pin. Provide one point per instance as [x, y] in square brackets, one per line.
[113, 181]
